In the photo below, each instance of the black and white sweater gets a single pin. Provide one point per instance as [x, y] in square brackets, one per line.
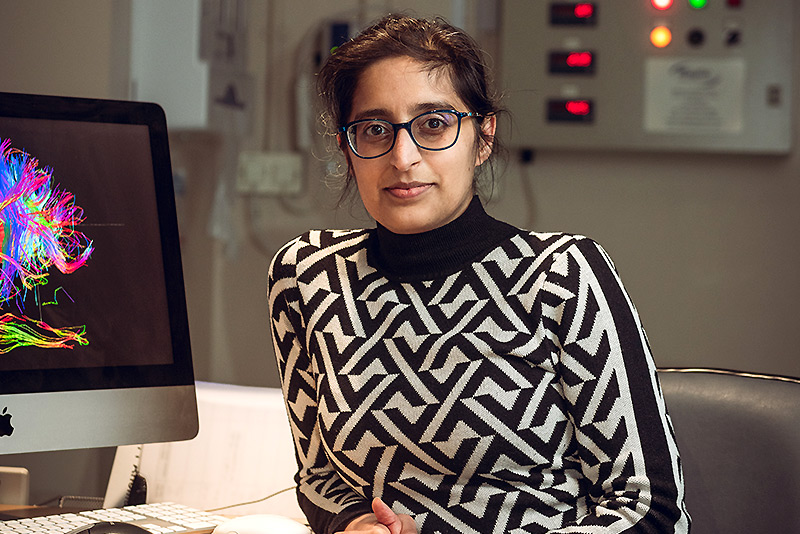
[480, 378]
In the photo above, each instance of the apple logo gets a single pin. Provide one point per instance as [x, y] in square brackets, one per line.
[5, 423]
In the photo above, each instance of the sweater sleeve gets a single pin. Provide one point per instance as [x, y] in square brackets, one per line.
[626, 445]
[327, 501]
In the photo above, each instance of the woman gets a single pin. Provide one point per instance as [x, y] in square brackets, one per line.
[445, 371]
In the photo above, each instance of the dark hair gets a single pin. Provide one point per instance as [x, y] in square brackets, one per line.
[433, 42]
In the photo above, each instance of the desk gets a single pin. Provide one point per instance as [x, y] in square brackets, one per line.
[13, 512]
[149, 520]
[243, 453]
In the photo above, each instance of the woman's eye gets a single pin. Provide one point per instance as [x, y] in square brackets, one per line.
[375, 130]
[434, 123]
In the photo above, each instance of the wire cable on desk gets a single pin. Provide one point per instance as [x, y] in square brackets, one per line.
[271, 495]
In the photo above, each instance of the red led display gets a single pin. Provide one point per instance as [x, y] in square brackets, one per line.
[584, 11]
[579, 107]
[570, 110]
[579, 59]
[572, 62]
[573, 13]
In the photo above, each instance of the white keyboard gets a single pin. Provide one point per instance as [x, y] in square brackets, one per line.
[158, 518]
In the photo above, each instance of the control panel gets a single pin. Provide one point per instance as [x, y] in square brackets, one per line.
[671, 75]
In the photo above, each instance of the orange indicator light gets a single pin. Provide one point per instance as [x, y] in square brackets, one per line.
[660, 36]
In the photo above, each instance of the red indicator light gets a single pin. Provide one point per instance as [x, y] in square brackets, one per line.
[584, 11]
[579, 107]
[579, 59]
[661, 4]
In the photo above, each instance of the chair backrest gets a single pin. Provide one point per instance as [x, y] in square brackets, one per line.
[739, 440]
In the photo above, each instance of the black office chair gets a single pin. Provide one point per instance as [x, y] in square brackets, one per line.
[739, 440]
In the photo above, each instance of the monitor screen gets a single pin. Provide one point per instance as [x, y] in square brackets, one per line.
[94, 338]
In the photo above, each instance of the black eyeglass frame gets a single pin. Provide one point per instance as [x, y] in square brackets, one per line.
[407, 127]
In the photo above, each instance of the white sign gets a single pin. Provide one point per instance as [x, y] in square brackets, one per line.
[688, 95]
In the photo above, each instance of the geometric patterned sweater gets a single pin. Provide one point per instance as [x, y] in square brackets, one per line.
[481, 378]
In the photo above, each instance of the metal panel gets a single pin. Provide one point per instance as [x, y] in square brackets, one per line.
[723, 83]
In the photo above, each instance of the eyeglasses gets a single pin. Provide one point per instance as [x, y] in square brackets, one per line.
[432, 130]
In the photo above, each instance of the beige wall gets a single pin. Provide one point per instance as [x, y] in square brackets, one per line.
[71, 47]
[226, 280]
[707, 244]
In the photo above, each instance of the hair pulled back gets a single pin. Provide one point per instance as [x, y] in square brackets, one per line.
[434, 43]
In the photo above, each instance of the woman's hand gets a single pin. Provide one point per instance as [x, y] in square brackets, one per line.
[382, 521]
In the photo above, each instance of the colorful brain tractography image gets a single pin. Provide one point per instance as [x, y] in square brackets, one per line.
[37, 232]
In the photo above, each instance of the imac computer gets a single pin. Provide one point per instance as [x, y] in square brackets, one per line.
[94, 337]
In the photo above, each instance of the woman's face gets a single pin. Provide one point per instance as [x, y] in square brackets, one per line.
[412, 190]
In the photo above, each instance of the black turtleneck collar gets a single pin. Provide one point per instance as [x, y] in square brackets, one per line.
[438, 252]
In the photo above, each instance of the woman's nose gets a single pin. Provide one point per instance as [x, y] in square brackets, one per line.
[405, 153]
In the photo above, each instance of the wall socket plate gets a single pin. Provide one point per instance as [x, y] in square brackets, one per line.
[269, 173]
[14, 485]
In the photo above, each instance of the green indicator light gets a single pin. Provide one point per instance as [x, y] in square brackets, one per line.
[698, 4]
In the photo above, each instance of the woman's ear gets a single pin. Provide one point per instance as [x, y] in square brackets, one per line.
[488, 127]
[343, 147]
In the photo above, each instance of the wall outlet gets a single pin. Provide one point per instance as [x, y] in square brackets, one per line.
[14, 485]
[269, 173]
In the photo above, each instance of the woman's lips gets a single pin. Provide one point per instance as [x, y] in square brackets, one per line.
[409, 190]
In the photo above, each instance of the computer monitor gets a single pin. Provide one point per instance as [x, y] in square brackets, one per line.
[94, 337]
